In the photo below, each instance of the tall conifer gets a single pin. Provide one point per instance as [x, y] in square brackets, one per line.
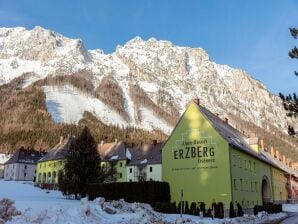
[82, 165]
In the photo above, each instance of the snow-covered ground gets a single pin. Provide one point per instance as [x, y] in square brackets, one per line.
[45, 207]
[290, 208]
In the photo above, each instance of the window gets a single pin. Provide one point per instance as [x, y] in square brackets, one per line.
[235, 184]
[240, 162]
[151, 168]
[25, 174]
[130, 170]
[251, 186]
[256, 186]
[250, 165]
[245, 164]
[254, 166]
[130, 180]
[234, 160]
[247, 185]
[120, 175]
[120, 164]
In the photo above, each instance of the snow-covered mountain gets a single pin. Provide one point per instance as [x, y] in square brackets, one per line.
[145, 84]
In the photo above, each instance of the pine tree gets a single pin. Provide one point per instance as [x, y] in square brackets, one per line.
[82, 165]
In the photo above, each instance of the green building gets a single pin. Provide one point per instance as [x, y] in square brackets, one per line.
[114, 155]
[210, 161]
[50, 166]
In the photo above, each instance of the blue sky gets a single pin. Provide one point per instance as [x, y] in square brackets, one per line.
[252, 35]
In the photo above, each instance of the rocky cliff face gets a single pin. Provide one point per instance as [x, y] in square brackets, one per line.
[145, 84]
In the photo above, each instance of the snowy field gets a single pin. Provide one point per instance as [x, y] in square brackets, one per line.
[42, 206]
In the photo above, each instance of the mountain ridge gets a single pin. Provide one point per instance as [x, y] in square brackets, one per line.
[145, 84]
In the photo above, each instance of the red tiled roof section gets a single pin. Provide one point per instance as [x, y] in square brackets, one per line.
[112, 151]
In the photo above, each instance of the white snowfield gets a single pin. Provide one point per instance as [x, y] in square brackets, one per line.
[47, 207]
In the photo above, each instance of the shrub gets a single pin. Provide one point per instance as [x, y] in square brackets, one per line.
[193, 208]
[165, 207]
[232, 210]
[145, 192]
[186, 210]
[203, 208]
[198, 209]
[239, 210]
[269, 208]
[221, 212]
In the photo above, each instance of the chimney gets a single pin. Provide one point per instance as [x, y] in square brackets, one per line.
[277, 154]
[226, 120]
[288, 161]
[196, 101]
[252, 134]
[261, 142]
[61, 139]
[272, 151]
[116, 140]
[101, 142]
[284, 159]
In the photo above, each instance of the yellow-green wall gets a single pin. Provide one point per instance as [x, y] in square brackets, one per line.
[205, 178]
[120, 166]
[279, 181]
[53, 167]
[250, 172]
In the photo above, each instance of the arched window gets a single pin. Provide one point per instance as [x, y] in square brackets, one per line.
[39, 178]
[54, 177]
[49, 179]
[44, 178]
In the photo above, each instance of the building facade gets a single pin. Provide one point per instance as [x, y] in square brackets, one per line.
[3, 159]
[22, 165]
[114, 156]
[210, 161]
[51, 166]
[145, 163]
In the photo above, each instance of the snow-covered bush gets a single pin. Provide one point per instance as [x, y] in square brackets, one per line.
[7, 210]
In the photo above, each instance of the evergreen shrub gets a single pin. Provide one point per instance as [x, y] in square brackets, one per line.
[146, 192]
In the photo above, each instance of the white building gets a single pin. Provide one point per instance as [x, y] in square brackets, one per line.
[3, 159]
[22, 165]
[145, 163]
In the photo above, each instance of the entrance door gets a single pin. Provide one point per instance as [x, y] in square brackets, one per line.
[266, 190]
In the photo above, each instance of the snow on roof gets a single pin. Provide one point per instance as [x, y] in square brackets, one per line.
[144, 161]
[4, 157]
[114, 157]
[128, 154]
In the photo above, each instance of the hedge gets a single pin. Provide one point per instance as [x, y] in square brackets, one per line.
[145, 192]
[269, 208]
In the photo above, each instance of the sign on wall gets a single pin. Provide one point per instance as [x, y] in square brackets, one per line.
[197, 148]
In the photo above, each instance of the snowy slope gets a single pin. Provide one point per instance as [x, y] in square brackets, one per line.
[67, 105]
[168, 74]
